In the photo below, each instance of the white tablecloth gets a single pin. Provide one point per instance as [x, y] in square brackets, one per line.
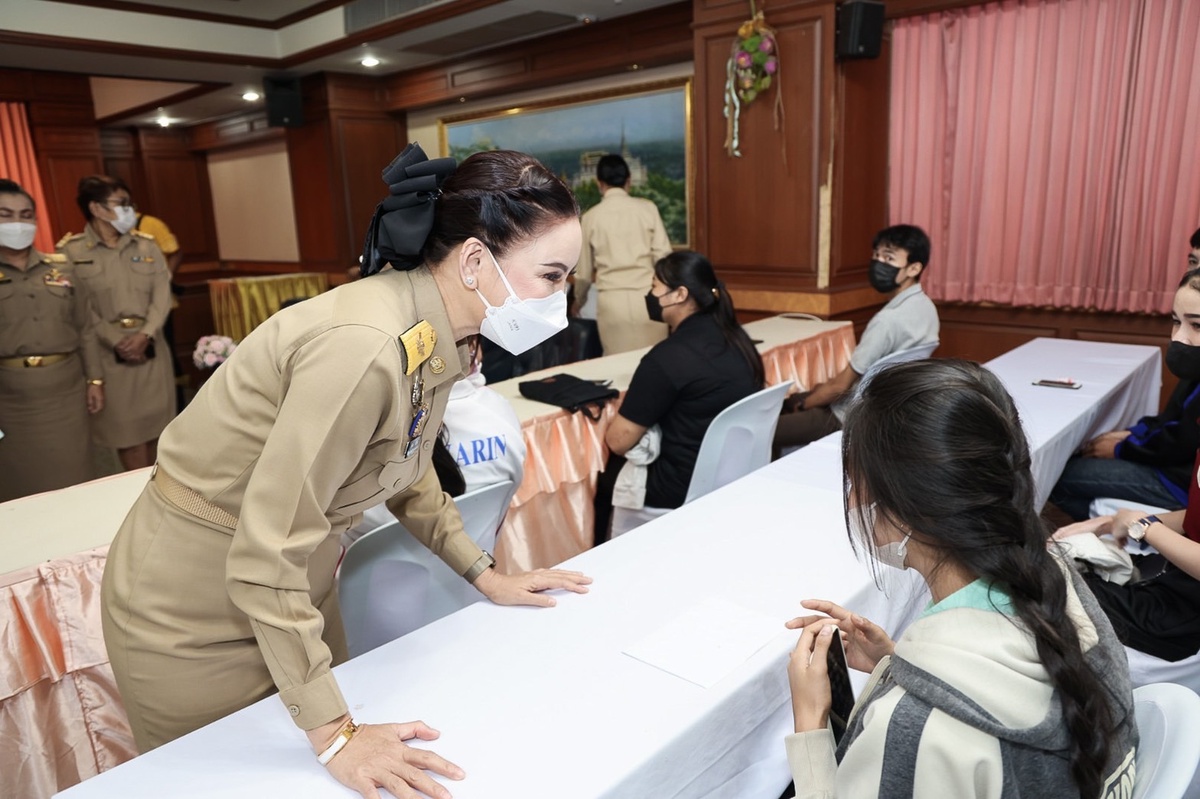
[543, 703]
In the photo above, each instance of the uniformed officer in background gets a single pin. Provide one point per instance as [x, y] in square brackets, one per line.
[219, 588]
[124, 276]
[51, 375]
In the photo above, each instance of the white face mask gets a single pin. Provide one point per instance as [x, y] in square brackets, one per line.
[892, 553]
[17, 235]
[519, 325]
[126, 219]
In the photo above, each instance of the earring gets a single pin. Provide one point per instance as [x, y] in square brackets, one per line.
[470, 281]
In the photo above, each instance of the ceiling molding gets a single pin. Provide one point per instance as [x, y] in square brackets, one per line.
[417, 19]
[177, 97]
[209, 16]
[427, 15]
[123, 48]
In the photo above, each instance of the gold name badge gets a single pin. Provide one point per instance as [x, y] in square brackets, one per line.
[418, 342]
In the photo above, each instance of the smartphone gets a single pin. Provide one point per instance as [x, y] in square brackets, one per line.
[1065, 382]
[839, 686]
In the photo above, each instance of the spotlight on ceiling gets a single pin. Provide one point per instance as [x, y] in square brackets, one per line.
[251, 96]
[370, 61]
[163, 121]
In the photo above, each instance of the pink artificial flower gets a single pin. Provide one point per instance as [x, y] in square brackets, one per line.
[766, 45]
[743, 59]
[771, 66]
[210, 359]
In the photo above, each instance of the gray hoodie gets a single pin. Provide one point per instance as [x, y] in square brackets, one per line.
[965, 709]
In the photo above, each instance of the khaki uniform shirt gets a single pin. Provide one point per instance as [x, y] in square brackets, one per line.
[623, 237]
[43, 313]
[307, 424]
[128, 280]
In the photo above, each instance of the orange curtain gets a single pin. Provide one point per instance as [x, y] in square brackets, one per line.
[1048, 146]
[18, 162]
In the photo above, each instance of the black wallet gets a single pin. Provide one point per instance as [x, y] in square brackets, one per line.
[570, 392]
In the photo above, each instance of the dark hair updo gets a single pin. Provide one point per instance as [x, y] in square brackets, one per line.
[499, 197]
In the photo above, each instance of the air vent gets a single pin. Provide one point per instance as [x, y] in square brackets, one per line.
[534, 23]
[362, 14]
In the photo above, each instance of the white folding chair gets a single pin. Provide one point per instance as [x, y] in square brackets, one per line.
[1168, 720]
[738, 440]
[389, 584]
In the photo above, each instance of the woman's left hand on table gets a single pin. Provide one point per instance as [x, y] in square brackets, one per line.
[527, 588]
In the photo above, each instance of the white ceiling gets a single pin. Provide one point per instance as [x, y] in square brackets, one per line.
[89, 24]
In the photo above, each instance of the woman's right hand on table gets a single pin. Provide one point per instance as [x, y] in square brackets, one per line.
[377, 757]
[865, 641]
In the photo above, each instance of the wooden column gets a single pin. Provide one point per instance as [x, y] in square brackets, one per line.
[336, 159]
[788, 224]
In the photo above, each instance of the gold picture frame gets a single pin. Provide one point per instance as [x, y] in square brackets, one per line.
[649, 123]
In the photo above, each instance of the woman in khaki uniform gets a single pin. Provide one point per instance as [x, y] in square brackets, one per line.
[50, 369]
[125, 277]
[219, 588]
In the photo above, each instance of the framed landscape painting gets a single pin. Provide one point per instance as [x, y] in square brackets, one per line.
[649, 125]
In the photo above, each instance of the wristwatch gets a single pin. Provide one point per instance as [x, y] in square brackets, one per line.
[485, 562]
[1137, 530]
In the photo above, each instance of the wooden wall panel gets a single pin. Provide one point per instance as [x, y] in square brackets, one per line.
[319, 202]
[758, 217]
[366, 146]
[60, 175]
[860, 177]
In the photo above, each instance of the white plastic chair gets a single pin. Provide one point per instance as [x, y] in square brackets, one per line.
[389, 584]
[738, 440]
[1168, 720]
[903, 356]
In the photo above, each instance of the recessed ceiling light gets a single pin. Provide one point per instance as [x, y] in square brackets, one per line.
[163, 121]
[370, 61]
[250, 96]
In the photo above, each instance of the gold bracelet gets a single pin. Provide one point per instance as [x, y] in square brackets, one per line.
[96, 381]
[344, 735]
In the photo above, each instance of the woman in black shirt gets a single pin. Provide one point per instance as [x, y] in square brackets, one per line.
[707, 364]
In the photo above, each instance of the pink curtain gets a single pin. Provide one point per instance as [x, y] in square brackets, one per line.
[1042, 143]
[18, 162]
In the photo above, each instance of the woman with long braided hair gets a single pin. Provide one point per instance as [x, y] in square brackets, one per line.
[1012, 682]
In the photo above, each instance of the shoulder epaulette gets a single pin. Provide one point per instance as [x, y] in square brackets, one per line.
[54, 258]
[68, 237]
[139, 234]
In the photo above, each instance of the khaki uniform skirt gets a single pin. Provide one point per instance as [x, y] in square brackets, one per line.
[182, 653]
[139, 400]
[43, 413]
[623, 321]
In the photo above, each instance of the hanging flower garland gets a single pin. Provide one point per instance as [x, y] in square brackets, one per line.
[752, 69]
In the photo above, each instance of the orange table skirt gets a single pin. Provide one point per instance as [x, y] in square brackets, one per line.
[551, 518]
[60, 714]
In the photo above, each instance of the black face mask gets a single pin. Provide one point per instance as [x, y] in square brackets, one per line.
[883, 276]
[654, 307]
[1183, 360]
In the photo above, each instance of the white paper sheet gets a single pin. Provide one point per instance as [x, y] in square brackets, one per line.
[706, 644]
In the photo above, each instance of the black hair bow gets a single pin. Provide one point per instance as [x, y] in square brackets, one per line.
[402, 222]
